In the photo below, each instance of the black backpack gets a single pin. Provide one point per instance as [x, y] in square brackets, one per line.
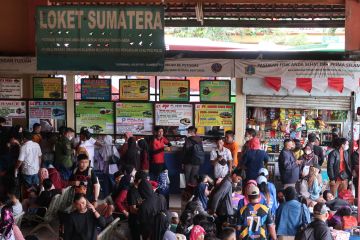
[305, 234]
[197, 153]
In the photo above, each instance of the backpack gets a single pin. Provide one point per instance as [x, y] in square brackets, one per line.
[303, 228]
[305, 234]
[197, 153]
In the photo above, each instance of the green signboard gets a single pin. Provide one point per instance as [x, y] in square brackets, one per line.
[215, 91]
[175, 90]
[100, 38]
[98, 117]
[47, 88]
[134, 117]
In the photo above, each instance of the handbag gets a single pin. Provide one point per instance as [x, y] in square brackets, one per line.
[182, 181]
[303, 224]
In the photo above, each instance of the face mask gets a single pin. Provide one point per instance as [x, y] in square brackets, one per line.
[346, 147]
[70, 138]
[308, 152]
[247, 139]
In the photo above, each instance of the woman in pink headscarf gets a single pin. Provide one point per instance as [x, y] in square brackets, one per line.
[197, 233]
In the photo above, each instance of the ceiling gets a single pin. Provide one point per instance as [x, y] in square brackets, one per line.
[246, 13]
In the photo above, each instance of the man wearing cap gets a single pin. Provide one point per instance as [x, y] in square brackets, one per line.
[318, 229]
[272, 189]
[255, 220]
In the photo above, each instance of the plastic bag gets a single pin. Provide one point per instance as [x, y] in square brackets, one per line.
[182, 181]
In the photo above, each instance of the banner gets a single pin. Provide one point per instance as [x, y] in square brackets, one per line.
[100, 38]
[214, 119]
[134, 90]
[134, 117]
[50, 114]
[194, 67]
[174, 90]
[215, 91]
[47, 88]
[96, 89]
[11, 88]
[14, 112]
[98, 117]
[176, 118]
[316, 72]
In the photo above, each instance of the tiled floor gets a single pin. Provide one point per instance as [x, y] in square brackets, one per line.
[45, 234]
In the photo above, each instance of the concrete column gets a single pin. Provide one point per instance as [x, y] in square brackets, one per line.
[352, 25]
[70, 106]
[240, 112]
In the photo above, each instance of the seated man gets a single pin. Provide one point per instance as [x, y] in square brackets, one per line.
[85, 180]
[83, 222]
[47, 195]
[333, 203]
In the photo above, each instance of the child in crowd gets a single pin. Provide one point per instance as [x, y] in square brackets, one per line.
[237, 195]
[174, 221]
[164, 184]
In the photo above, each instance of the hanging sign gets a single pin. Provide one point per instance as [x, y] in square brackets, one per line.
[134, 90]
[14, 112]
[50, 114]
[176, 117]
[96, 89]
[174, 90]
[98, 117]
[100, 38]
[136, 118]
[10, 88]
[215, 91]
[47, 88]
[214, 119]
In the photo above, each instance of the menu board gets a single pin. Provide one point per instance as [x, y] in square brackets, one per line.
[96, 89]
[48, 88]
[134, 117]
[11, 88]
[215, 91]
[98, 117]
[134, 90]
[14, 112]
[214, 119]
[175, 118]
[50, 114]
[174, 90]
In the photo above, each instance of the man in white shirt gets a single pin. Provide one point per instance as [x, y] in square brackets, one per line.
[30, 160]
[89, 143]
[221, 159]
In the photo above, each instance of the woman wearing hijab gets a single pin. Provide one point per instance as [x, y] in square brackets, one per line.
[107, 152]
[197, 233]
[152, 205]
[202, 192]
[162, 224]
[308, 158]
[8, 228]
[132, 157]
[144, 155]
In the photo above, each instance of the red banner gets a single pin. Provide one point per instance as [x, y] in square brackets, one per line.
[304, 83]
[273, 82]
[336, 83]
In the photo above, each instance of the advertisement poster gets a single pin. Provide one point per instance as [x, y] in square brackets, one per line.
[100, 38]
[134, 117]
[10, 88]
[98, 117]
[50, 114]
[215, 91]
[214, 119]
[96, 89]
[175, 118]
[49, 88]
[134, 90]
[14, 112]
[174, 90]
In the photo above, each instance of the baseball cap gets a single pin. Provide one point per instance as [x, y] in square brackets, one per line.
[320, 209]
[264, 171]
[261, 179]
[253, 190]
[174, 215]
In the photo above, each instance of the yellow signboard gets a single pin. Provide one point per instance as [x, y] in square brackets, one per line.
[47, 88]
[134, 90]
[174, 90]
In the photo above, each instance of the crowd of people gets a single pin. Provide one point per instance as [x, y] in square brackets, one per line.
[238, 200]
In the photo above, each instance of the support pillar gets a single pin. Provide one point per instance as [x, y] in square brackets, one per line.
[70, 105]
[352, 25]
[240, 112]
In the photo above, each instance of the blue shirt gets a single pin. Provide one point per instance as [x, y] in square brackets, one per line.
[275, 204]
[254, 160]
[289, 219]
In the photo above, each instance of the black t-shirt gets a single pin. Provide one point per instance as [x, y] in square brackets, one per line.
[46, 196]
[133, 197]
[89, 178]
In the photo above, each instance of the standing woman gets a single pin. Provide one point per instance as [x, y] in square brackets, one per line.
[271, 202]
[144, 155]
[131, 156]
[308, 158]
[355, 167]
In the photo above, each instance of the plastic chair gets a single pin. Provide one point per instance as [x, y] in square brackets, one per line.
[18, 219]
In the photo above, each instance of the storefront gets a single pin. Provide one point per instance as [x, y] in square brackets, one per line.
[290, 99]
